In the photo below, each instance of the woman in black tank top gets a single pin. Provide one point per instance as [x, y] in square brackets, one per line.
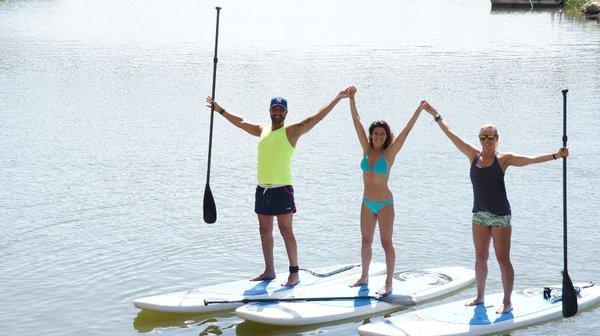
[491, 209]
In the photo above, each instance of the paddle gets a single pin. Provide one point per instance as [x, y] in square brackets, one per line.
[403, 300]
[210, 209]
[569, 296]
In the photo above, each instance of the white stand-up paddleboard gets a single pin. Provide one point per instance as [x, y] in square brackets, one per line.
[409, 288]
[193, 301]
[530, 306]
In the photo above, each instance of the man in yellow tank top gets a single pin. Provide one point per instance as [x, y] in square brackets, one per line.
[274, 194]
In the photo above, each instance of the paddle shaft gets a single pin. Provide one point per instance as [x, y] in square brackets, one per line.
[212, 108]
[331, 298]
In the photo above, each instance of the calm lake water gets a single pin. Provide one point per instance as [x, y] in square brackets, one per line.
[105, 134]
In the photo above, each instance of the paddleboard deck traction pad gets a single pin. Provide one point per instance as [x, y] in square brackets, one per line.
[435, 278]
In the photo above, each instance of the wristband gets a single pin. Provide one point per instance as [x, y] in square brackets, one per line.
[554, 156]
[437, 118]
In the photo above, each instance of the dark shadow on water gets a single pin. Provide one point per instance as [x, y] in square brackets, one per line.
[248, 328]
[147, 321]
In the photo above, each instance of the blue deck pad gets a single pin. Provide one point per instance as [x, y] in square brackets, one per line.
[259, 289]
[482, 315]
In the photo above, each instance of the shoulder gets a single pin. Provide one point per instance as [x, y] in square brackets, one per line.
[290, 129]
[504, 157]
[474, 156]
[505, 160]
[293, 128]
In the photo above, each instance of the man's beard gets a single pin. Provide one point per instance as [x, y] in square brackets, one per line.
[277, 120]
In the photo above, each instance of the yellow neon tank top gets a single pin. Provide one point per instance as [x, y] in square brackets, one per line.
[274, 157]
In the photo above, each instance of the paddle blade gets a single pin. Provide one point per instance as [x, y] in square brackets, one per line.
[210, 210]
[569, 296]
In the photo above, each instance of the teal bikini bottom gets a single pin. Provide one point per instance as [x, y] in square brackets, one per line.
[375, 206]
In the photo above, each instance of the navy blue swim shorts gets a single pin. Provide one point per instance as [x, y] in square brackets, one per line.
[274, 201]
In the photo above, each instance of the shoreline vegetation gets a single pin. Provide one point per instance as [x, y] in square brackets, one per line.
[574, 5]
[588, 8]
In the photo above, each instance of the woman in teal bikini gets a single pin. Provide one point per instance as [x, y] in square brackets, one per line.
[379, 151]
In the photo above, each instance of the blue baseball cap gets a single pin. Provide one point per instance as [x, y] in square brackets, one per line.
[279, 101]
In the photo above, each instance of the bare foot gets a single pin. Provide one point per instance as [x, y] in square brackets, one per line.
[506, 308]
[385, 290]
[476, 301]
[360, 282]
[264, 276]
[293, 280]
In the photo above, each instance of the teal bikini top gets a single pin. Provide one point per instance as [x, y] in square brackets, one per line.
[380, 167]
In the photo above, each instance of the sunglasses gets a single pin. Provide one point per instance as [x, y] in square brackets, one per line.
[489, 137]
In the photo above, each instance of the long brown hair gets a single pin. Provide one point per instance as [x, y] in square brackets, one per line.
[389, 136]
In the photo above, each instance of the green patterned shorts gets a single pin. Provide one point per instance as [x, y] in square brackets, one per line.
[491, 220]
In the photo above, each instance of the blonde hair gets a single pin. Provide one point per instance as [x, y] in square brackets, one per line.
[489, 126]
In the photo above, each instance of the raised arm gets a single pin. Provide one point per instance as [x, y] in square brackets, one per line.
[401, 138]
[510, 159]
[466, 148]
[358, 126]
[294, 131]
[253, 129]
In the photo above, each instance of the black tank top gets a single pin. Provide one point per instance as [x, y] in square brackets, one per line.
[489, 192]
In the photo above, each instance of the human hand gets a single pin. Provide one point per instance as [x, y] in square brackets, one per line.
[347, 92]
[211, 103]
[351, 91]
[562, 152]
[422, 105]
[430, 109]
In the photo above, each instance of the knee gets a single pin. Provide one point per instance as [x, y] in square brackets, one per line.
[387, 245]
[286, 231]
[481, 258]
[366, 241]
[504, 262]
